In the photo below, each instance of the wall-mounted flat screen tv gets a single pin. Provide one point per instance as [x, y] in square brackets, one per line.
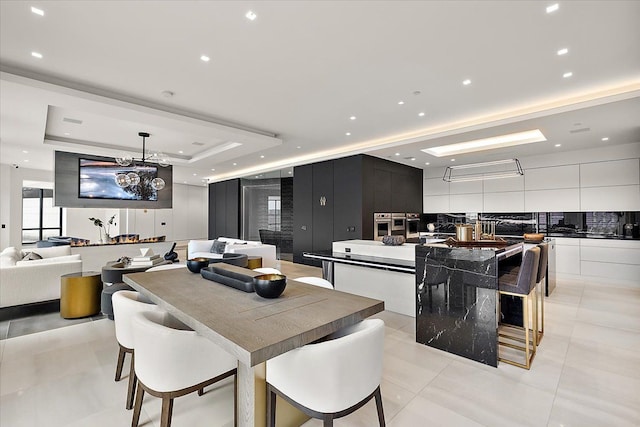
[98, 181]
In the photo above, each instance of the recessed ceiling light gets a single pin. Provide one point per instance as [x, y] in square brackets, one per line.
[184, 182]
[262, 157]
[37, 11]
[26, 160]
[67, 133]
[466, 82]
[180, 151]
[205, 58]
[348, 133]
[487, 143]
[567, 75]
[453, 160]
[413, 159]
[195, 174]
[563, 51]
[251, 15]
[212, 169]
[352, 118]
[400, 102]
[421, 114]
[298, 147]
[289, 172]
[397, 154]
[558, 145]
[235, 164]
[36, 55]
[25, 151]
[427, 163]
[606, 138]
[553, 8]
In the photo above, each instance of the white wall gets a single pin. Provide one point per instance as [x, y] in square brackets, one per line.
[601, 179]
[188, 219]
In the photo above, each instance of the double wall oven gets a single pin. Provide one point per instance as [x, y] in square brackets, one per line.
[381, 225]
[413, 226]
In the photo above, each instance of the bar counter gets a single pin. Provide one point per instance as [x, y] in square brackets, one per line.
[456, 298]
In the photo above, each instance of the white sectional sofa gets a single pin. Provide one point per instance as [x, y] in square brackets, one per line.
[202, 248]
[36, 280]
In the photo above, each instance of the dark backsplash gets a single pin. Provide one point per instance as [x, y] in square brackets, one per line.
[558, 224]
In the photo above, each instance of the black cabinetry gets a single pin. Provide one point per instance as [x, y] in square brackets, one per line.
[224, 209]
[336, 200]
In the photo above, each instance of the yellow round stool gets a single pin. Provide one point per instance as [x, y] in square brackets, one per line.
[80, 294]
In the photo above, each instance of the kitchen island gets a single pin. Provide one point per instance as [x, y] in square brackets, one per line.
[456, 298]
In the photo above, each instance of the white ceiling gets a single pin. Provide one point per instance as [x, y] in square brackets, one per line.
[294, 77]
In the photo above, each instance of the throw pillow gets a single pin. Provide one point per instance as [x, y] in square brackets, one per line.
[218, 247]
[31, 256]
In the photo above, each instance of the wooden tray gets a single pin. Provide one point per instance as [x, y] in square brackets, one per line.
[476, 243]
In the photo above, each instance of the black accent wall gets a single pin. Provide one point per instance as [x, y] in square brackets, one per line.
[336, 199]
[224, 209]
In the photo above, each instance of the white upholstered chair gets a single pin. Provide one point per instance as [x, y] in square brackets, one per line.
[267, 270]
[316, 281]
[125, 305]
[166, 267]
[171, 362]
[332, 378]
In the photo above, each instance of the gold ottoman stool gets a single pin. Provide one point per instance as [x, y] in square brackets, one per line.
[254, 262]
[80, 294]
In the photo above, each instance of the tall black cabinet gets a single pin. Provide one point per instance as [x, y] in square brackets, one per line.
[336, 199]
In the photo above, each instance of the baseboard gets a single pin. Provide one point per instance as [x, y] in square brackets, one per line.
[26, 310]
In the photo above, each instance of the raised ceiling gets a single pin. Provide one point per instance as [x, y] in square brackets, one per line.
[286, 85]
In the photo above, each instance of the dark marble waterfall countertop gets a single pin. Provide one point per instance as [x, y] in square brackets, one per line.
[382, 263]
[456, 298]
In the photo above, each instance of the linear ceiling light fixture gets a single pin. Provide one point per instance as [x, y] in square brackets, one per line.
[486, 170]
[501, 141]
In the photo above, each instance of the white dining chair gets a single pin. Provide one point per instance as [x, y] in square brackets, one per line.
[267, 270]
[166, 267]
[125, 305]
[316, 281]
[332, 378]
[172, 361]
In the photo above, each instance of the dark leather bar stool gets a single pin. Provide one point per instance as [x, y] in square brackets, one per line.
[540, 288]
[521, 282]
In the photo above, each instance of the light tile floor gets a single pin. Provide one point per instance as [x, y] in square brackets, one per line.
[586, 373]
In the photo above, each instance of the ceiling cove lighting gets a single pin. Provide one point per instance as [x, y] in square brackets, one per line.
[553, 8]
[486, 170]
[132, 179]
[501, 141]
[37, 11]
[36, 55]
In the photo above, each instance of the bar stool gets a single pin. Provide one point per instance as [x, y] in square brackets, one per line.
[521, 282]
[542, 273]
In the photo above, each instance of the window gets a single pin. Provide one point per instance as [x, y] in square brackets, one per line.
[273, 213]
[40, 219]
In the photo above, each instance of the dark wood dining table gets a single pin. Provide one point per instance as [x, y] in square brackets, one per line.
[252, 328]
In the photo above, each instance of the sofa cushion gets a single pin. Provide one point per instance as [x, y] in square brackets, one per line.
[218, 247]
[9, 257]
[53, 260]
[54, 251]
[30, 256]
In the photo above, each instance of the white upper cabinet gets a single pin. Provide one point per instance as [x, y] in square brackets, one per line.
[435, 186]
[506, 184]
[614, 198]
[552, 177]
[604, 174]
[466, 187]
[506, 201]
[465, 203]
[567, 200]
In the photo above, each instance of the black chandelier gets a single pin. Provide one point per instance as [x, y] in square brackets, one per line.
[131, 179]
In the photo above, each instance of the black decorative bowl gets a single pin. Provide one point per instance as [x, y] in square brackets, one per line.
[196, 264]
[269, 285]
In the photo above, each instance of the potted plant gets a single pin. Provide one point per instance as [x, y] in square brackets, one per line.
[104, 228]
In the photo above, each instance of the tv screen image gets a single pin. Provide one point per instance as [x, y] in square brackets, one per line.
[97, 181]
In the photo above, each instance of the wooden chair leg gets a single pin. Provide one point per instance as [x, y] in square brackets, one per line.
[132, 383]
[271, 407]
[201, 391]
[121, 355]
[137, 408]
[167, 410]
[378, 397]
[328, 422]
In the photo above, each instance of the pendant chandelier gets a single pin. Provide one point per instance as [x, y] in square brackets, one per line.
[134, 178]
